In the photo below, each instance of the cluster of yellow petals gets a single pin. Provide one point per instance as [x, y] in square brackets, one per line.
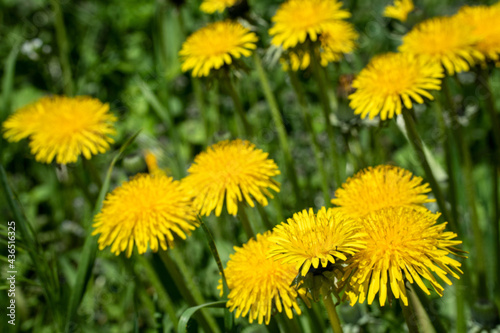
[484, 22]
[295, 20]
[212, 6]
[63, 128]
[399, 10]
[402, 244]
[258, 283]
[146, 210]
[216, 45]
[380, 187]
[309, 239]
[445, 40]
[392, 81]
[231, 170]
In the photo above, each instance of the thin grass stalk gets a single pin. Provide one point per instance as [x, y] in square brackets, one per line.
[309, 127]
[418, 146]
[280, 127]
[245, 128]
[63, 45]
[245, 222]
[160, 290]
[332, 314]
[327, 111]
[470, 193]
[187, 290]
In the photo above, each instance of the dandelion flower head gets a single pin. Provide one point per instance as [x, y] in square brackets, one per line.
[258, 283]
[309, 239]
[212, 6]
[336, 40]
[232, 170]
[402, 244]
[62, 128]
[391, 81]
[399, 10]
[485, 24]
[295, 20]
[446, 40]
[380, 187]
[216, 45]
[146, 210]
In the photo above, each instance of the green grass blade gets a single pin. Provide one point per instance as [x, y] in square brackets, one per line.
[90, 247]
[186, 315]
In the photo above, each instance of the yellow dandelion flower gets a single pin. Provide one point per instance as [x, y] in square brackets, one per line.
[309, 239]
[63, 128]
[380, 187]
[402, 244]
[258, 284]
[391, 81]
[485, 24]
[399, 10]
[146, 210]
[295, 20]
[212, 6]
[216, 45]
[235, 170]
[445, 40]
[337, 39]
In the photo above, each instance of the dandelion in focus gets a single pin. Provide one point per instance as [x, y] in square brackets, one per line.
[399, 10]
[233, 171]
[258, 284]
[380, 187]
[62, 128]
[148, 210]
[216, 45]
[445, 40]
[317, 240]
[402, 244]
[391, 81]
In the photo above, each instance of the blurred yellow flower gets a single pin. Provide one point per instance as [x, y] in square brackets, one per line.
[295, 20]
[402, 244]
[309, 239]
[216, 45]
[391, 81]
[257, 283]
[212, 6]
[63, 128]
[485, 24]
[380, 187]
[235, 170]
[146, 210]
[337, 39]
[445, 40]
[399, 10]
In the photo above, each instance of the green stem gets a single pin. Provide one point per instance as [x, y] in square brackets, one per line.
[417, 144]
[187, 290]
[246, 130]
[245, 222]
[327, 111]
[469, 192]
[198, 94]
[332, 314]
[496, 224]
[310, 128]
[278, 121]
[215, 253]
[410, 316]
[490, 106]
[421, 307]
[63, 45]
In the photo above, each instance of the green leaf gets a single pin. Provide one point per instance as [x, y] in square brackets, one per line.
[186, 315]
